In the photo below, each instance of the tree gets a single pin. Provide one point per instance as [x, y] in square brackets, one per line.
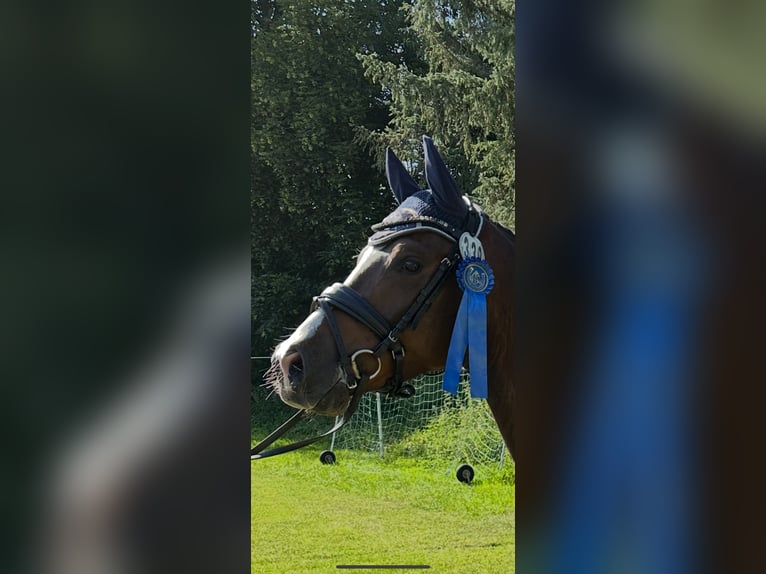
[464, 98]
[316, 191]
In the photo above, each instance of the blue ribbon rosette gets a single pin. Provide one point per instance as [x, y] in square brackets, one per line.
[475, 278]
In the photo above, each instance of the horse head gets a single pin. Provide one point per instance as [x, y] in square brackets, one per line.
[391, 319]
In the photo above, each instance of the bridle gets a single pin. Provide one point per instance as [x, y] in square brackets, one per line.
[346, 299]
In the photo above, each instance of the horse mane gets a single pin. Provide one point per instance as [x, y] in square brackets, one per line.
[506, 231]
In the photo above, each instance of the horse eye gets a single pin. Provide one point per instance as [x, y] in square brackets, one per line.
[411, 266]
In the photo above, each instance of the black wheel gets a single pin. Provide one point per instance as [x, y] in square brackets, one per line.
[327, 457]
[465, 473]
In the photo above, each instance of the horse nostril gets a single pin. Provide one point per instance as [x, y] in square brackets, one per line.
[292, 367]
[296, 370]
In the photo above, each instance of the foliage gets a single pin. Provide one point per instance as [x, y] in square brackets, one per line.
[445, 69]
[367, 511]
[464, 100]
[315, 191]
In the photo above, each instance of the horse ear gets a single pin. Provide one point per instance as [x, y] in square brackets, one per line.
[399, 179]
[440, 180]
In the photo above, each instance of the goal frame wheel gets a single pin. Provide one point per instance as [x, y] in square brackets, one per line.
[327, 457]
[465, 473]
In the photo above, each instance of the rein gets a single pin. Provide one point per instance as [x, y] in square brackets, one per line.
[257, 452]
[346, 299]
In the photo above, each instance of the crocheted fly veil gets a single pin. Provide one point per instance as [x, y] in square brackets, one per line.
[418, 212]
[441, 208]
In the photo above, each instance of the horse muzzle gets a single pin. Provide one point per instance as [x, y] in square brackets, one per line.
[317, 386]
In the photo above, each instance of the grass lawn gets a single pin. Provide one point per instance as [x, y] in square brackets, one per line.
[307, 517]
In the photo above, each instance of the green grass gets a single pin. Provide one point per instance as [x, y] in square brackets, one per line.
[307, 517]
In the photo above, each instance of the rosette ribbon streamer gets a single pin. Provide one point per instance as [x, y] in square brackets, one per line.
[475, 278]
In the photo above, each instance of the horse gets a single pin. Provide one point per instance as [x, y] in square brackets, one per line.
[391, 319]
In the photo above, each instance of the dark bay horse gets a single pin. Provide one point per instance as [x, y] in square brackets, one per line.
[392, 317]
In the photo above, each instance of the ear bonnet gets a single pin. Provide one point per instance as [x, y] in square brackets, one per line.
[441, 208]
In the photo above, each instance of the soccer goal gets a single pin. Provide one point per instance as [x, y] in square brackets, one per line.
[433, 425]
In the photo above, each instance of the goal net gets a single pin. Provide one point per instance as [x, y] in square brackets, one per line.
[433, 426]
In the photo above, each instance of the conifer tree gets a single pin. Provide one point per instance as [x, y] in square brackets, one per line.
[315, 190]
[464, 97]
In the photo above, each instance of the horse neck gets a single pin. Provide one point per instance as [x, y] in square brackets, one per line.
[499, 248]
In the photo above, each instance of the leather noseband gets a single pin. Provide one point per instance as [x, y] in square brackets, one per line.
[345, 299]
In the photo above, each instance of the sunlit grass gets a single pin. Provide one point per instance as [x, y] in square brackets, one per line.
[308, 517]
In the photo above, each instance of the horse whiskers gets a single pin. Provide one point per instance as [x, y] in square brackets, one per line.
[273, 375]
[272, 381]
